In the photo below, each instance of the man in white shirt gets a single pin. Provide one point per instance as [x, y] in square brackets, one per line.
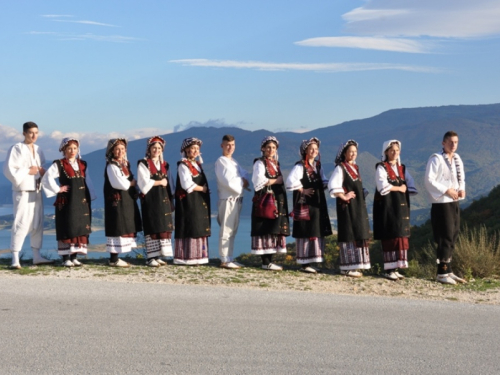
[445, 183]
[231, 181]
[23, 168]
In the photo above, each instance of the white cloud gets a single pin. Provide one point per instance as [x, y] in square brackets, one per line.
[434, 18]
[316, 67]
[375, 43]
[84, 22]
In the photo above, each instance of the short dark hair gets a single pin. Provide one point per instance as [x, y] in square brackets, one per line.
[228, 138]
[449, 134]
[28, 125]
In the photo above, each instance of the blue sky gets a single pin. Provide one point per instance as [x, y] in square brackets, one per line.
[96, 69]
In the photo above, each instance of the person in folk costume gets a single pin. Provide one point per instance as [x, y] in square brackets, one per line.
[391, 209]
[269, 235]
[232, 181]
[192, 207]
[308, 183]
[352, 217]
[157, 188]
[445, 184]
[23, 167]
[122, 219]
[72, 206]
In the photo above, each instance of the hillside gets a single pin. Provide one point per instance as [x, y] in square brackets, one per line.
[419, 129]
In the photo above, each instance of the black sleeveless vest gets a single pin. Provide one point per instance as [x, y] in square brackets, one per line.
[73, 212]
[192, 211]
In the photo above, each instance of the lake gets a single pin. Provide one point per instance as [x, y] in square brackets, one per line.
[242, 242]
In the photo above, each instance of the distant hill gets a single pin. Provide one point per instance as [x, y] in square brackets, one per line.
[419, 129]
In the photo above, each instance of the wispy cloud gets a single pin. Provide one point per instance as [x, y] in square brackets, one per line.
[434, 18]
[85, 22]
[88, 36]
[316, 67]
[375, 43]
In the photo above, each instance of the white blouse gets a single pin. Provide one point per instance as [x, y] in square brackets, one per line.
[259, 178]
[296, 174]
[117, 178]
[51, 187]
[384, 187]
[186, 178]
[145, 182]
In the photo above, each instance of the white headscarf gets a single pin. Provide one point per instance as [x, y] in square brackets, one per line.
[387, 145]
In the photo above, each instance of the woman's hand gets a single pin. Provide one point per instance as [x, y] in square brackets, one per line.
[64, 189]
[307, 192]
[348, 196]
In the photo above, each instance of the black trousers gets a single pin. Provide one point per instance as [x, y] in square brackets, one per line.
[445, 219]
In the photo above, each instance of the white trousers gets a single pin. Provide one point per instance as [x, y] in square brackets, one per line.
[28, 219]
[229, 220]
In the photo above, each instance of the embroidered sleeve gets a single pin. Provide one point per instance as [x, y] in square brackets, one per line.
[293, 180]
[144, 180]
[259, 179]
[185, 178]
[116, 178]
[383, 186]
[336, 181]
[49, 184]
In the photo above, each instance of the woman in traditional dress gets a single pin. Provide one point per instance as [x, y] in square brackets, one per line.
[269, 235]
[122, 218]
[72, 206]
[391, 209]
[308, 182]
[352, 218]
[192, 207]
[155, 182]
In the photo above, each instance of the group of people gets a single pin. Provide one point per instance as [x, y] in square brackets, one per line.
[189, 197]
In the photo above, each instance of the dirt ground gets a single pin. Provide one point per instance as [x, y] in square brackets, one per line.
[484, 291]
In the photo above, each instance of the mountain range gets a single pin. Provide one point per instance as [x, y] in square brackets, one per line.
[419, 129]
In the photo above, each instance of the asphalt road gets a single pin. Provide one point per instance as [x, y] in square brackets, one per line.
[52, 326]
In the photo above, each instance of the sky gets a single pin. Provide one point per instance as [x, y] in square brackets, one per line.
[101, 69]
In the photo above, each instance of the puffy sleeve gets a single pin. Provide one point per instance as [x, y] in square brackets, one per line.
[243, 173]
[410, 183]
[293, 180]
[185, 178]
[116, 178]
[336, 181]
[144, 180]
[432, 176]
[49, 183]
[14, 167]
[383, 185]
[228, 175]
[323, 177]
[259, 179]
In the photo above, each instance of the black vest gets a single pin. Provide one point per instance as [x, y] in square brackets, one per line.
[156, 204]
[73, 212]
[192, 211]
[391, 212]
[121, 212]
[280, 225]
[319, 225]
[352, 217]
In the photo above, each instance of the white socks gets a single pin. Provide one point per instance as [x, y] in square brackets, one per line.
[15, 258]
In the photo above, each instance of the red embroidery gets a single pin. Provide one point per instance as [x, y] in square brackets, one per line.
[153, 170]
[351, 170]
[69, 171]
[188, 163]
[272, 168]
[391, 175]
[312, 175]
